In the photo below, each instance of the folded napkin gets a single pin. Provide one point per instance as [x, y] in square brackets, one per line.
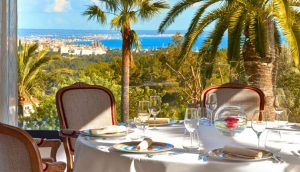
[144, 145]
[243, 152]
[159, 121]
[113, 129]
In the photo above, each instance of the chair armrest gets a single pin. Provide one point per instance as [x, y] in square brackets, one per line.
[54, 167]
[51, 143]
[69, 133]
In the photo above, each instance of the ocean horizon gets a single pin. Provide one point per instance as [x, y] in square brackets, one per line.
[150, 39]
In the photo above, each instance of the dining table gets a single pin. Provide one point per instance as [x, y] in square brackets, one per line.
[96, 154]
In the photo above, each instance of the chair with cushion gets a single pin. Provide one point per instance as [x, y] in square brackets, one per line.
[248, 97]
[19, 153]
[82, 106]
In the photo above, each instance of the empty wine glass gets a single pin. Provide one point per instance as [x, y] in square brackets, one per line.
[191, 123]
[279, 100]
[273, 142]
[155, 107]
[259, 123]
[144, 114]
[211, 105]
[281, 118]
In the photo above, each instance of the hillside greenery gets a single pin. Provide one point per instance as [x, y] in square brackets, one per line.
[150, 75]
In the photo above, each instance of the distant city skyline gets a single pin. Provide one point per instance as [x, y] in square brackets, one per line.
[67, 14]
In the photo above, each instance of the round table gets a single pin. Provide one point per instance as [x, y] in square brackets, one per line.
[97, 154]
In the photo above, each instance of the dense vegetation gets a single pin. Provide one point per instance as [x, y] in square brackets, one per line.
[150, 75]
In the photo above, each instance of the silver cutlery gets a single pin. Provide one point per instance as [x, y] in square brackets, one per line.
[277, 158]
[151, 155]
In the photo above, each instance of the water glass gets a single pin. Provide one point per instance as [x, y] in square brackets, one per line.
[191, 123]
[211, 104]
[143, 114]
[273, 141]
[259, 123]
[191, 142]
[281, 118]
[133, 132]
[155, 107]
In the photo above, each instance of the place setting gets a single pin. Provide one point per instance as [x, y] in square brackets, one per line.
[148, 136]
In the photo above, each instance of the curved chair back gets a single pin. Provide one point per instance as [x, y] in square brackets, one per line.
[18, 151]
[82, 106]
[248, 97]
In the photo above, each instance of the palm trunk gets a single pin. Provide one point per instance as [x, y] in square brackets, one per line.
[126, 54]
[261, 70]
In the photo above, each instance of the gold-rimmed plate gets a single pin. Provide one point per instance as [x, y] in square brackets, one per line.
[155, 147]
[220, 155]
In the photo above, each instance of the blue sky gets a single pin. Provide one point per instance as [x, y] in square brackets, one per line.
[66, 14]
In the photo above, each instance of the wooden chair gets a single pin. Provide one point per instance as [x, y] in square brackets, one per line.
[248, 97]
[82, 106]
[53, 144]
[19, 153]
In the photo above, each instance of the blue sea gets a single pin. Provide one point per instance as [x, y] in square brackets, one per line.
[150, 39]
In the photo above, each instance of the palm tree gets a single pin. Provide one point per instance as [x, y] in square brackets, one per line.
[31, 63]
[125, 13]
[253, 28]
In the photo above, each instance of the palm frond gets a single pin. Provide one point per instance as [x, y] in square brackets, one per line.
[191, 36]
[294, 3]
[132, 16]
[174, 12]
[199, 14]
[212, 42]
[281, 14]
[111, 5]
[296, 31]
[236, 25]
[148, 9]
[116, 22]
[261, 36]
[36, 68]
[94, 12]
[134, 39]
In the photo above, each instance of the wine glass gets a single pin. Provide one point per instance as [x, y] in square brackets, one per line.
[259, 123]
[144, 114]
[273, 142]
[282, 118]
[155, 107]
[211, 104]
[279, 100]
[280, 107]
[191, 124]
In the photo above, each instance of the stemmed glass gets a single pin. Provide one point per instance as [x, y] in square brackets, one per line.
[211, 104]
[259, 123]
[144, 114]
[155, 107]
[273, 143]
[191, 124]
[280, 107]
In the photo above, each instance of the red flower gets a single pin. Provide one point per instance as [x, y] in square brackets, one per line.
[231, 122]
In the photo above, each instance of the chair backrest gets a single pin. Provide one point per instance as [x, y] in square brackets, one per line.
[82, 106]
[248, 97]
[18, 152]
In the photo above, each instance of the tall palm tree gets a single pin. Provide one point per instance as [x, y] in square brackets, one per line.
[253, 33]
[125, 13]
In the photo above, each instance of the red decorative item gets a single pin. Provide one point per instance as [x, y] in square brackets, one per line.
[231, 122]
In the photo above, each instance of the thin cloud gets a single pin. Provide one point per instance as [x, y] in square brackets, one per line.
[59, 6]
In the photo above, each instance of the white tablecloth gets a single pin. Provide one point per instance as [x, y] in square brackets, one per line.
[97, 155]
